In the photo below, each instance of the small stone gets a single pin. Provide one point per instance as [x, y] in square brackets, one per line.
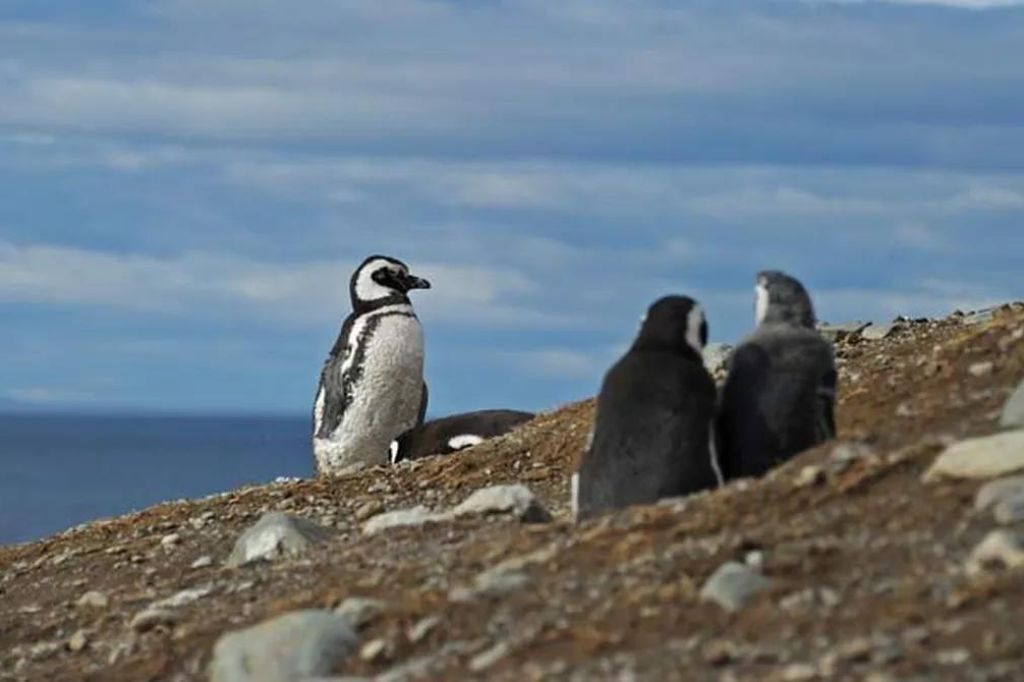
[733, 585]
[1012, 416]
[877, 332]
[93, 600]
[78, 641]
[373, 650]
[516, 499]
[799, 672]
[418, 632]
[951, 657]
[170, 541]
[202, 562]
[182, 598]
[360, 611]
[810, 475]
[416, 516]
[985, 457]
[994, 492]
[368, 509]
[276, 535]
[719, 652]
[294, 646]
[151, 618]
[488, 658]
[1003, 548]
[981, 369]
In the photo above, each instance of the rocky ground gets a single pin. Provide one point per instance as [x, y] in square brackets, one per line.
[842, 564]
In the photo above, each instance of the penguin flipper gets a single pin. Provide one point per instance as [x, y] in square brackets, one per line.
[332, 382]
[423, 405]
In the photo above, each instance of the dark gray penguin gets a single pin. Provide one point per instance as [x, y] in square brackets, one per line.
[779, 393]
[457, 432]
[652, 427]
[371, 386]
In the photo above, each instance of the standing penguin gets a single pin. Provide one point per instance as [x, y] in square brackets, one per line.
[654, 413]
[371, 386]
[779, 394]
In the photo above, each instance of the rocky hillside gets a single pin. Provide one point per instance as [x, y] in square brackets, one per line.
[843, 564]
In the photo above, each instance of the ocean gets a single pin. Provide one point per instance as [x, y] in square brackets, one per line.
[59, 471]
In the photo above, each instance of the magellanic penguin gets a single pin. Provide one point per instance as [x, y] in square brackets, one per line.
[371, 386]
[652, 428]
[779, 393]
[457, 432]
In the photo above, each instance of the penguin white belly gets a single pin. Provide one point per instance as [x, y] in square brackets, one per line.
[385, 398]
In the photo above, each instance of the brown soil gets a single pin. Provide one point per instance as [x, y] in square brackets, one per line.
[869, 552]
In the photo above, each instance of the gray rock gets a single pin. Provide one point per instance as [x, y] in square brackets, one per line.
[150, 618]
[276, 535]
[514, 499]
[418, 632]
[287, 648]
[78, 641]
[840, 332]
[985, 457]
[202, 562]
[877, 332]
[488, 658]
[182, 598]
[733, 585]
[416, 516]
[1003, 548]
[360, 610]
[1013, 412]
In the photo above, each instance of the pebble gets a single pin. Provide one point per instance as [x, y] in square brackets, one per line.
[360, 610]
[373, 650]
[799, 672]
[810, 475]
[733, 585]
[491, 584]
[182, 598]
[985, 457]
[170, 541]
[951, 657]
[368, 509]
[78, 641]
[981, 369]
[150, 618]
[416, 516]
[488, 658]
[202, 562]
[1000, 547]
[877, 332]
[276, 535]
[1012, 416]
[418, 632]
[294, 646]
[93, 600]
[514, 499]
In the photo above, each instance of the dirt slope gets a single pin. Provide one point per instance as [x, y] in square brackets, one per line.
[866, 564]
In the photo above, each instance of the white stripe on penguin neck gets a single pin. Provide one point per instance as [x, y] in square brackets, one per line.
[366, 288]
[761, 303]
[694, 322]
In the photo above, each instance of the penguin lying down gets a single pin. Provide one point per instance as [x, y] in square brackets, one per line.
[457, 432]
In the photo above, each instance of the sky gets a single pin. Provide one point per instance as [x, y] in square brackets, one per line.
[186, 185]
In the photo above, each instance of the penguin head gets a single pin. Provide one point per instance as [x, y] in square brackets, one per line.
[675, 324]
[382, 279]
[782, 299]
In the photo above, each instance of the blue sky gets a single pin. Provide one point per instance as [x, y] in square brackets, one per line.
[188, 183]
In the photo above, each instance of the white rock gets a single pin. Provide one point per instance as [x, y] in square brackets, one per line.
[993, 492]
[78, 641]
[1004, 548]
[877, 332]
[275, 535]
[93, 600]
[170, 541]
[985, 457]
[733, 585]
[416, 516]
[291, 647]
[418, 632]
[981, 369]
[202, 562]
[183, 598]
[514, 499]
[373, 650]
[1013, 410]
[488, 658]
[149, 618]
[360, 610]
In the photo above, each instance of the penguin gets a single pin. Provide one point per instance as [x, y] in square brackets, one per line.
[652, 427]
[371, 385]
[457, 432]
[779, 393]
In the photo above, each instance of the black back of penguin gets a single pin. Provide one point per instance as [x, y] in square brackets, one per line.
[654, 413]
[778, 398]
[449, 434]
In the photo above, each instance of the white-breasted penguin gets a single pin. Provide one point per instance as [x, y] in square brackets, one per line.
[456, 432]
[779, 393]
[652, 428]
[371, 386]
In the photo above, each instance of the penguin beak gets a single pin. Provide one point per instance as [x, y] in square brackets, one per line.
[410, 282]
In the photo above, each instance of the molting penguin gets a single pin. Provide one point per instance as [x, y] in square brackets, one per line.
[371, 386]
[652, 428]
[779, 394]
[457, 432]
